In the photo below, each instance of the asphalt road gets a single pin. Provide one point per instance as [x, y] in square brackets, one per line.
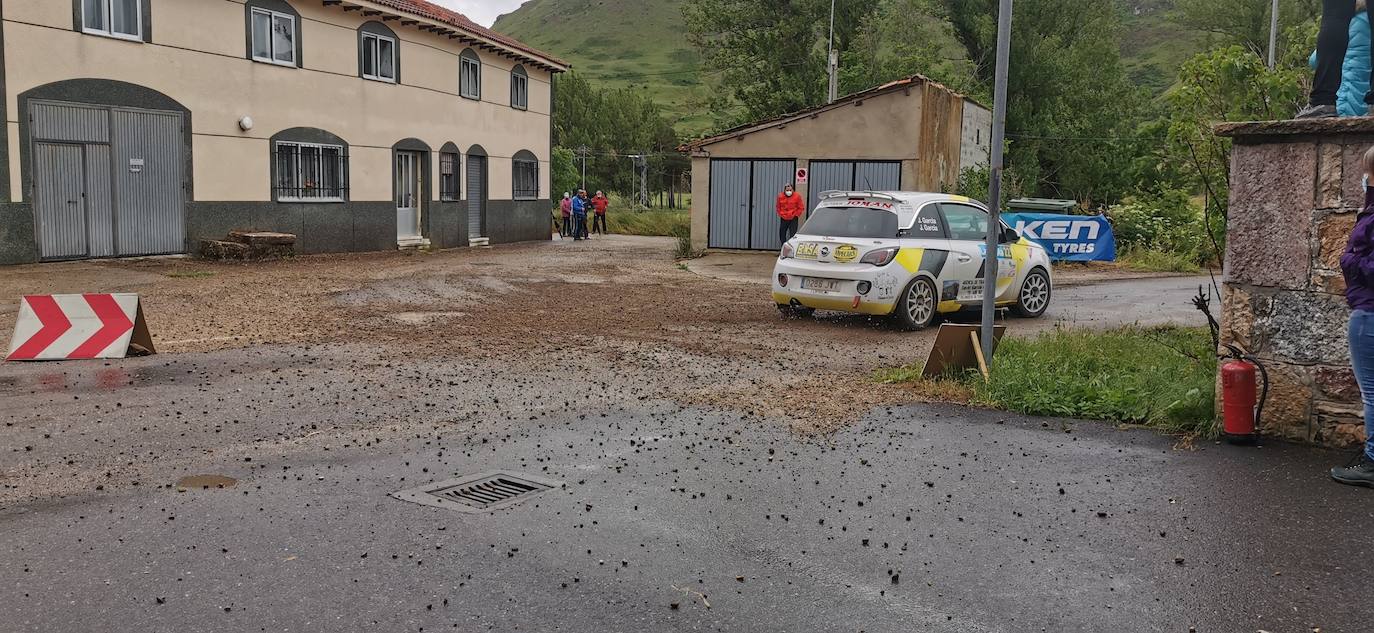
[927, 518]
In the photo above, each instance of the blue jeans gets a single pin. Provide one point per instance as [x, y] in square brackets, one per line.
[1362, 361]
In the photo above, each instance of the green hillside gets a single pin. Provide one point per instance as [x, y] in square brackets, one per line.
[641, 44]
[636, 44]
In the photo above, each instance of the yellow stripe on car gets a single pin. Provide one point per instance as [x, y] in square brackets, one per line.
[910, 258]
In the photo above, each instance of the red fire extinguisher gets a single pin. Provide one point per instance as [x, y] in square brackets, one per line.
[1240, 411]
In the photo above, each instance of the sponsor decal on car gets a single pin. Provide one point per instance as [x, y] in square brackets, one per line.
[806, 250]
[846, 253]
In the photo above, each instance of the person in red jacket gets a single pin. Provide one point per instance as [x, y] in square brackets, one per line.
[790, 208]
[599, 204]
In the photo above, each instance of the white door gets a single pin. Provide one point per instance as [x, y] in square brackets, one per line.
[408, 196]
[968, 226]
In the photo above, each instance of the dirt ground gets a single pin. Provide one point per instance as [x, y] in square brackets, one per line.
[619, 310]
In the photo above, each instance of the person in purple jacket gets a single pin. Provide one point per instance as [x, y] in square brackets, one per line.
[1357, 265]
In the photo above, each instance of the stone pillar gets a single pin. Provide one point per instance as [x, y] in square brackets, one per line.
[1295, 190]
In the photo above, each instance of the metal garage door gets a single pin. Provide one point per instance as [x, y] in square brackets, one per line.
[729, 210]
[770, 176]
[107, 181]
[477, 193]
[850, 175]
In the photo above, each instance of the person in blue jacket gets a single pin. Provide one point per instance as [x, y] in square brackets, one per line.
[1343, 62]
[580, 204]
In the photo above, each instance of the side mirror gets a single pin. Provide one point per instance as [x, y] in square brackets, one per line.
[1010, 236]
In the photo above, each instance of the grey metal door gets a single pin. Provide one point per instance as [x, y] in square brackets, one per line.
[878, 176]
[477, 193]
[148, 165]
[59, 200]
[769, 177]
[828, 176]
[729, 211]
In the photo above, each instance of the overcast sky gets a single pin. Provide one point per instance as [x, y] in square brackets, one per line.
[483, 12]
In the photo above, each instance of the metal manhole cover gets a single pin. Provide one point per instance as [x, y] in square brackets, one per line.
[478, 493]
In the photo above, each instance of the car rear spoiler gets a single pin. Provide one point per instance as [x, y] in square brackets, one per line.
[826, 195]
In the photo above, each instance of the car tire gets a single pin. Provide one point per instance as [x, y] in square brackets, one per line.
[795, 312]
[918, 305]
[1034, 297]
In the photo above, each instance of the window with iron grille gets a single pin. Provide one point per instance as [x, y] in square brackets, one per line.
[379, 57]
[470, 75]
[448, 177]
[308, 172]
[519, 89]
[525, 175]
[115, 18]
[274, 37]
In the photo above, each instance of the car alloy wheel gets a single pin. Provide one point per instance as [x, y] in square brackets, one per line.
[1035, 295]
[919, 304]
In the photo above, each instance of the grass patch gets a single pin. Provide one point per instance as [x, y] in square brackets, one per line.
[1157, 262]
[667, 223]
[1163, 377]
[191, 274]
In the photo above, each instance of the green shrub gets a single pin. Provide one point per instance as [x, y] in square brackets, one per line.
[665, 223]
[1166, 222]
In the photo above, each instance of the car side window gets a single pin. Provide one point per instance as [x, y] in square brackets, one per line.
[928, 224]
[965, 222]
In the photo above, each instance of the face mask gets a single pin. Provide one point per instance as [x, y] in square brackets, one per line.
[787, 193]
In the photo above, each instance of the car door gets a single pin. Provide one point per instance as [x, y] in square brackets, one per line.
[968, 226]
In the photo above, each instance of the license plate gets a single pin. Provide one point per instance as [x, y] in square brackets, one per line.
[807, 250]
[824, 285]
[971, 290]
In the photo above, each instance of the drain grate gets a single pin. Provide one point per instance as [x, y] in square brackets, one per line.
[479, 493]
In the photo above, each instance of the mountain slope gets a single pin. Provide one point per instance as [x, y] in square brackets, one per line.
[642, 44]
[639, 44]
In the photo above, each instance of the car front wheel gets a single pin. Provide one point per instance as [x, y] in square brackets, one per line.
[1034, 298]
[916, 308]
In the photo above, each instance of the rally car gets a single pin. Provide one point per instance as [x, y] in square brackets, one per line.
[906, 254]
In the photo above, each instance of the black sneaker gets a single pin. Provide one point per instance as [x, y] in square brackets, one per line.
[1316, 112]
[1359, 472]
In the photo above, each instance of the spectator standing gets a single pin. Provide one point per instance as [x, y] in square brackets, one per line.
[1333, 39]
[565, 206]
[599, 204]
[1357, 266]
[790, 208]
[579, 214]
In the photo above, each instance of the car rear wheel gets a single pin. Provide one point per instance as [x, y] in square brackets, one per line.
[917, 307]
[1034, 297]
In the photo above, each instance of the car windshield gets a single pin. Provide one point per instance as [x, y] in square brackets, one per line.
[851, 222]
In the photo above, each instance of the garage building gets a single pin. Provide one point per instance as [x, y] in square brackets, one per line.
[910, 134]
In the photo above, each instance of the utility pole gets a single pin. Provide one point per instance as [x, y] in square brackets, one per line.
[1273, 31]
[832, 59]
[582, 151]
[644, 180]
[999, 128]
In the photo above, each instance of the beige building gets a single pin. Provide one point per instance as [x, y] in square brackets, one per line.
[913, 134]
[137, 127]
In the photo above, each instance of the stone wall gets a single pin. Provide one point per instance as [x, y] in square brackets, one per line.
[1295, 190]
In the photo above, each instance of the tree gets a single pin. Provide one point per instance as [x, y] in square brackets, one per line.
[612, 125]
[770, 54]
[901, 38]
[1243, 23]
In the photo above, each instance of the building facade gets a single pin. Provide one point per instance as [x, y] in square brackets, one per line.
[139, 127]
[913, 134]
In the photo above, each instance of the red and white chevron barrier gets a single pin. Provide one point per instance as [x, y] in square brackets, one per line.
[69, 327]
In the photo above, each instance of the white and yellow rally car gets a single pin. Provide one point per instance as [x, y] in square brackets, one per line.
[907, 254]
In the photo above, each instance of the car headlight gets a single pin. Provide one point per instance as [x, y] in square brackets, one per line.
[786, 250]
[880, 257]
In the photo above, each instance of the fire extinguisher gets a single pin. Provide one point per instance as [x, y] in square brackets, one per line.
[1241, 412]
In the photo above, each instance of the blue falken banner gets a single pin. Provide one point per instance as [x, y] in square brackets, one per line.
[1074, 238]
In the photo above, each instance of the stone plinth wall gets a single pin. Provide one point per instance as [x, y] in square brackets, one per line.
[1295, 190]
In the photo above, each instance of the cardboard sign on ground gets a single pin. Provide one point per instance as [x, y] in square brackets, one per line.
[954, 350]
[70, 327]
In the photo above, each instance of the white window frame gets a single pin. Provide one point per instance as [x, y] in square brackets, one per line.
[463, 63]
[371, 43]
[519, 85]
[342, 170]
[272, 17]
[108, 31]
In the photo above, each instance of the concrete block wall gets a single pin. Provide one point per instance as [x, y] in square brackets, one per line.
[1295, 191]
